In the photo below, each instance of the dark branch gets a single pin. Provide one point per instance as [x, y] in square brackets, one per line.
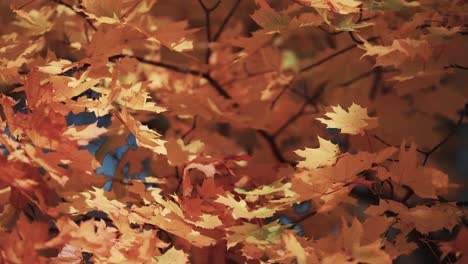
[456, 66]
[356, 40]
[80, 13]
[178, 69]
[305, 217]
[300, 3]
[357, 78]
[331, 56]
[208, 26]
[194, 125]
[274, 148]
[25, 4]
[427, 154]
[378, 78]
[157, 64]
[448, 137]
[390, 145]
[291, 120]
[226, 20]
[333, 33]
[285, 88]
[215, 84]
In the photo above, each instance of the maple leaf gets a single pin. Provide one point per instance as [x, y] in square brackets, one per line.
[325, 155]
[92, 236]
[400, 51]
[351, 239]
[269, 19]
[426, 219]
[293, 246]
[36, 20]
[426, 182]
[92, 86]
[178, 153]
[391, 5]
[241, 210]
[145, 137]
[337, 6]
[56, 67]
[135, 97]
[353, 122]
[173, 256]
[457, 246]
[253, 233]
[69, 255]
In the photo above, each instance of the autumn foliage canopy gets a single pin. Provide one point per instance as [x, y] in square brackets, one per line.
[232, 131]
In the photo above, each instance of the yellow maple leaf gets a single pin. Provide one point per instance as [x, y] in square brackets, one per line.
[241, 210]
[353, 122]
[338, 6]
[325, 155]
[145, 137]
[293, 246]
[173, 256]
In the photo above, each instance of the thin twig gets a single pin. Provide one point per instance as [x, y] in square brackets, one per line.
[175, 68]
[208, 26]
[80, 13]
[457, 66]
[194, 125]
[25, 4]
[334, 33]
[305, 217]
[378, 78]
[291, 120]
[274, 148]
[449, 136]
[157, 64]
[390, 145]
[356, 40]
[357, 78]
[285, 88]
[216, 85]
[427, 154]
[130, 10]
[226, 20]
[331, 56]
[300, 3]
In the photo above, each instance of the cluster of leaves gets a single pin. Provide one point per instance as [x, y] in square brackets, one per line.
[209, 119]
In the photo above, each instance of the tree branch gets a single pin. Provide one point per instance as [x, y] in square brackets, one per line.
[274, 148]
[390, 145]
[357, 78]
[291, 120]
[448, 137]
[457, 66]
[331, 56]
[378, 78]
[427, 154]
[194, 125]
[80, 13]
[208, 26]
[226, 20]
[178, 69]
